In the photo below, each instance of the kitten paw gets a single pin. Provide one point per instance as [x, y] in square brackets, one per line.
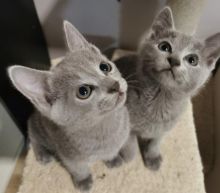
[127, 156]
[84, 185]
[44, 159]
[153, 163]
[115, 163]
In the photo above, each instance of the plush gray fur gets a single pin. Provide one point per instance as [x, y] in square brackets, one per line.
[76, 131]
[158, 89]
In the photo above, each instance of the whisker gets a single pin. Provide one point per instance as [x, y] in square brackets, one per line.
[132, 86]
[130, 75]
[131, 81]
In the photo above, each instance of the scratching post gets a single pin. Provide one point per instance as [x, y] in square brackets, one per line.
[186, 14]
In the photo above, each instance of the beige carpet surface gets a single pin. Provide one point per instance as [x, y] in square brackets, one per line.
[181, 171]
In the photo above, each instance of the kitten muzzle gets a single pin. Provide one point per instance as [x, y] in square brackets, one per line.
[167, 70]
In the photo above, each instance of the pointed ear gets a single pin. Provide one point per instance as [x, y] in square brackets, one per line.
[212, 49]
[31, 83]
[75, 41]
[163, 21]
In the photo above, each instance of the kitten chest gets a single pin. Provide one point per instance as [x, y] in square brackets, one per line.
[100, 142]
[153, 117]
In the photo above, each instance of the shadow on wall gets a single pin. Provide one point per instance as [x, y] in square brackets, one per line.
[53, 25]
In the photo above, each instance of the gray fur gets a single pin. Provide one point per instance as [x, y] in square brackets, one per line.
[158, 92]
[77, 132]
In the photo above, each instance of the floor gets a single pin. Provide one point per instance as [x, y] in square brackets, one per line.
[11, 145]
[17, 174]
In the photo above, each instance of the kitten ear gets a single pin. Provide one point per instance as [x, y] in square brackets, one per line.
[75, 41]
[164, 20]
[31, 83]
[212, 49]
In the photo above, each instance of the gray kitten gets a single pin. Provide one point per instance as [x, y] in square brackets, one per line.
[168, 69]
[80, 114]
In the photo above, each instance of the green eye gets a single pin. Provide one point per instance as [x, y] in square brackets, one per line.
[165, 47]
[105, 67]
[84, 92]
[192, 59]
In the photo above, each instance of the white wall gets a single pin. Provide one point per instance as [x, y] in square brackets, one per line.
[96, 17]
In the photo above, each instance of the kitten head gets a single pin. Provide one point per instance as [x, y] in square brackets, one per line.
[83, 87]
[175, 60]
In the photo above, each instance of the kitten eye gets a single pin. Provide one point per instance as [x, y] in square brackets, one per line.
[105, 67]
[165, 47]
[192, 59]
[84, 92]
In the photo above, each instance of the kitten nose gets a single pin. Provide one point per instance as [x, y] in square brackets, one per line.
[173, 61]
[114, 88]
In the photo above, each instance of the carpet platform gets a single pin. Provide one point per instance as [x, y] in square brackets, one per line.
[181, 170]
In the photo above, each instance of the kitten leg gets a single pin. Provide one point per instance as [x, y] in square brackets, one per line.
[80, 173]
[129, 150]
[126, 154]
[150, 152]
[115, 162]
[41, 153]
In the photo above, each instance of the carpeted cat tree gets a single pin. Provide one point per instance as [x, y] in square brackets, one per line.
[181, 171]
